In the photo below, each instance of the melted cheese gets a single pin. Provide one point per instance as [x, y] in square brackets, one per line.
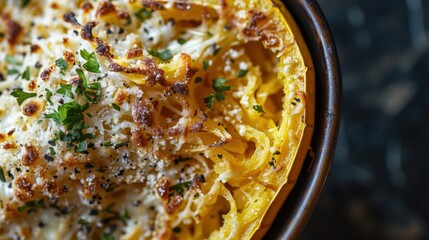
[152, 160]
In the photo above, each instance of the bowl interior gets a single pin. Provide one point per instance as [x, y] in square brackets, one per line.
[295, 212]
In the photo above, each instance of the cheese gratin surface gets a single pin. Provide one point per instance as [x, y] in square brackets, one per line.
[133, 119]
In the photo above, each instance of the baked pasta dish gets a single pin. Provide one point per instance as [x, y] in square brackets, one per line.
[142, 119]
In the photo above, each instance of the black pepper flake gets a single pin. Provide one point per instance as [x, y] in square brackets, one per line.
[171, 21]
[9, 173]
[89, 165]
[38, 65]
[120, 173]
[137, 203]
[41, 224]
[121, 30]
[48, 158]
[125, 159]
[201, 178]
[220, 156]
[109, 31]
[93, 212]
[177, 230]
[65, 210]
[272, 164]
[52, 143]
[277, 153]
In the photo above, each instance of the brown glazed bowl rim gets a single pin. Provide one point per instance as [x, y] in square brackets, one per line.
[296, 210]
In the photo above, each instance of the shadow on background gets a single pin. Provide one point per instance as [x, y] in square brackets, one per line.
[377, 187]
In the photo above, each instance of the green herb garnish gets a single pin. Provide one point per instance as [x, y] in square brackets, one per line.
[2, 177]
[258, 108]
[11, 60]
[124, 216]
[206, 65]
[198, 79]
[116, 106]
[48, 96]
[66, 90]
[143, 14]
[24, 3]
[164, 55]
[91, 92]
[21, 96]
[83, 222]
[180, 188]
[181, 41]
[52, 151]
[242, 73]
[83, 146]
[32, 205]
[13, 71]
[107, 236]
[26, 74]
[209, 101]
[216, 51]
[91, 64]
[69, 115]
[62, 64]
[219, 87]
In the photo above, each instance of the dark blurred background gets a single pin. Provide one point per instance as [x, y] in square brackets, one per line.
[377, 187]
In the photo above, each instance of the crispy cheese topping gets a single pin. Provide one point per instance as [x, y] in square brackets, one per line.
[145, 119]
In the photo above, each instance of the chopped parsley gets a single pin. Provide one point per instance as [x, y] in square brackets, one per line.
[13, 71]
[179, 188]
[216, 51]
[206, 65]
[116, 107]
[242, 73]
[24, 3]
[125, 216]
[11, 60]
[181, 41]
[108, 144]
[69, 115]
[107, 236]
[62, 64]
[52, 151]
[32, 205]
[181, 159]
[21, 96]
[91, 64]
[26, 74]
[198, 79]
[66, 90]
[209, 101]
[143, 14]
[48, 96]
[91, 92]
[165, 55]
[83, 222]
[82, 147]
[219, 87]
[2, 177]
[258, 108]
